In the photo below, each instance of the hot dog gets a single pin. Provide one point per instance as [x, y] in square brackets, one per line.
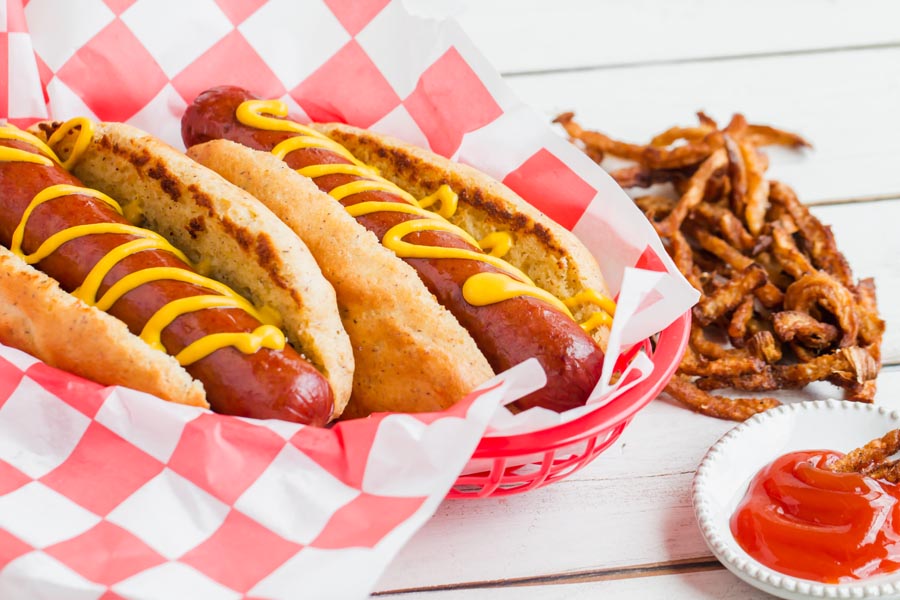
[70, 228]
[509, 317]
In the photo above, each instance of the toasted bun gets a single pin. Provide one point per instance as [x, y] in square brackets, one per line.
[411, 353]
[223, 228]
[39, 317]
[550, 254]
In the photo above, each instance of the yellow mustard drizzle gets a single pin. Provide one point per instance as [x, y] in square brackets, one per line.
[267, 335]
[478, 290]
[449, 201]
[597, 319]
[82, 140]
[498, 243]
[10, 132]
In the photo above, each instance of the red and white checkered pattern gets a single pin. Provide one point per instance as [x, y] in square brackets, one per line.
[370, 63]
[110, 490]
[106, 493]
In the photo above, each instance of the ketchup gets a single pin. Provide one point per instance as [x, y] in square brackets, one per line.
[803, 520]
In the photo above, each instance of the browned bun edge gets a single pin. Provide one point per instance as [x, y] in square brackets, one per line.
[411, 353]
[38, 317]
[236, 239]
[547, 252]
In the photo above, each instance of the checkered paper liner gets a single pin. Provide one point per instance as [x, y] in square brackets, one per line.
[138, 525]
[109, 493]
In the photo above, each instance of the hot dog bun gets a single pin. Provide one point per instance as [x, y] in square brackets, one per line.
[522, 286]
[40, 318]
[411, 354]
[224, 230]
[551, 255]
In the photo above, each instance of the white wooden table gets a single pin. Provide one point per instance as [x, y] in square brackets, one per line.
[623, 526]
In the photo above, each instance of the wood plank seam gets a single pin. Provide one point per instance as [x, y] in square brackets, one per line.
[702, 59]
[627, 478]
[855, 200]
[684, 566]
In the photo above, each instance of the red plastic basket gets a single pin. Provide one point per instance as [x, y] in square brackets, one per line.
[554, 453]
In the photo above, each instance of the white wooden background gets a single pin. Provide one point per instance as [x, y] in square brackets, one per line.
[830, 69]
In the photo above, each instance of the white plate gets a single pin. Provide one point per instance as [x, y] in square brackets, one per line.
[726, 470]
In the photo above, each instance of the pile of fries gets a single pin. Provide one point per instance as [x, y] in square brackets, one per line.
[779, 307]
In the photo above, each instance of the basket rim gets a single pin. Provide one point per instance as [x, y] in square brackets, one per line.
[666, 358]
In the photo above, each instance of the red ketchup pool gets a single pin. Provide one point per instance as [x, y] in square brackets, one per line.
[800, 519]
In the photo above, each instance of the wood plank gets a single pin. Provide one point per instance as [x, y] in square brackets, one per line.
[570, 526]
[642, 483]
[637, 493]
[604, 574]
[629, 507]
[612, 527]
[530, 35]
[845, 103]
[712, 585]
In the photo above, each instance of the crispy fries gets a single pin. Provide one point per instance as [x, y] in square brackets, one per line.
[888, 471]
[821, 291]
[728, 224]
[650, 156]
[846, 365]
[779, 307]
[871, 327]
[681, 253]
[640, 177]
[694, 194]
[730, 295]
[757, 201]
[737, 174]
[865, 457]
[872, 459]
[763, 135]
[764, 346]
[736, 409]
[791, 260]
[728, 365]
[740, 319]
[790, 325]
[818, 239]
